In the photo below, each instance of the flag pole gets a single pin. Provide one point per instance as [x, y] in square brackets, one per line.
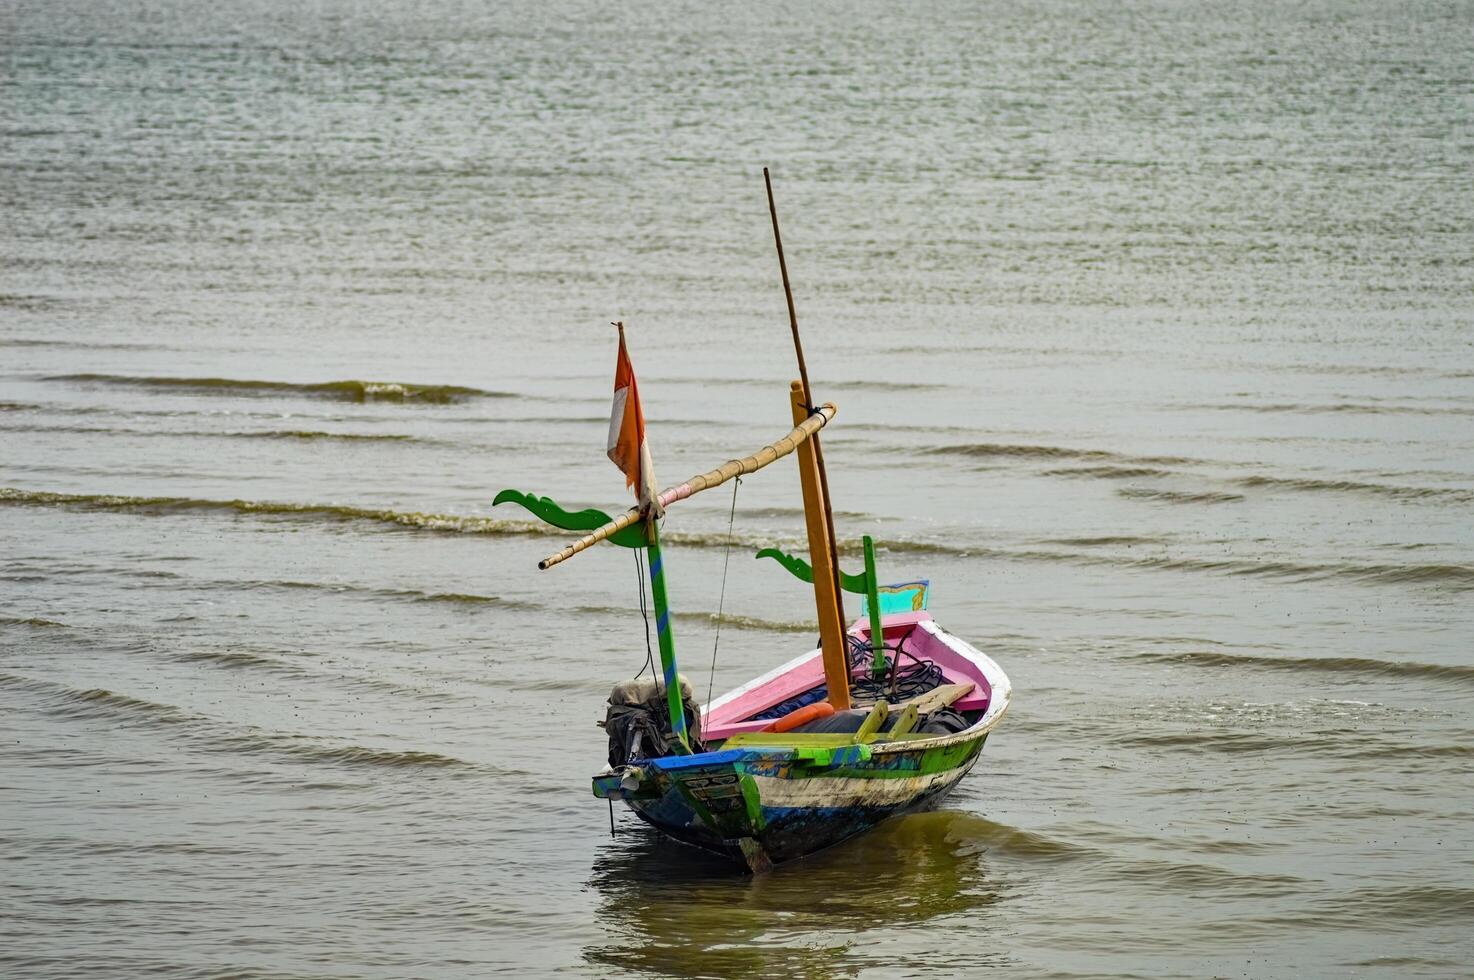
[628, 421]
[673, 696]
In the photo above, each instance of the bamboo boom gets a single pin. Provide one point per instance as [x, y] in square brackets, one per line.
[769, 454]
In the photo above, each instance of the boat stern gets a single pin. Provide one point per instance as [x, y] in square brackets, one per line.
[714, 800]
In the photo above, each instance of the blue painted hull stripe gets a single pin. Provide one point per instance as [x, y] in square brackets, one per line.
[675, 763]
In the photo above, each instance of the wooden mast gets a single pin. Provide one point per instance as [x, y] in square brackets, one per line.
[824, 554]
[821, 556]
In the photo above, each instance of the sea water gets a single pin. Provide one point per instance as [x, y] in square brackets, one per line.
[1151, 328]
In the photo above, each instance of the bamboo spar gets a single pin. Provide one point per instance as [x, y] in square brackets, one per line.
[765, 456]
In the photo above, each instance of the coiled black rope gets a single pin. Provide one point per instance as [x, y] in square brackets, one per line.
[900, 683]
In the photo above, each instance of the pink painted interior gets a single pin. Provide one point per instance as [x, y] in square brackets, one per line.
[732, 717]
[955, 667]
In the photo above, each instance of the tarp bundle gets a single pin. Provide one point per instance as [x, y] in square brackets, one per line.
[638, 723]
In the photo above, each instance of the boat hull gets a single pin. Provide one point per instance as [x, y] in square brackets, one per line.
[765, 806]
[763, 797]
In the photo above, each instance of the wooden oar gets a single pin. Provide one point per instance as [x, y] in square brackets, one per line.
[765, 456]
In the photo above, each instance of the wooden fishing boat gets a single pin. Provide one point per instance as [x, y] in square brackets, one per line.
[762, 796]
[885, 717]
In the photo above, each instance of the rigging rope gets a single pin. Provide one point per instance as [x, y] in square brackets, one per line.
[644, 612]
[722, 599]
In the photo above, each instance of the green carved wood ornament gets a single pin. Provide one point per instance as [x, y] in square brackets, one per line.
[548, 511]
[802, 571]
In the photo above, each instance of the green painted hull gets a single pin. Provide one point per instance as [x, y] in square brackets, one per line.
[774, 803]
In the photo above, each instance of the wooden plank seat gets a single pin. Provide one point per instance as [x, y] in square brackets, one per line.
[912, 710]
[813, 740]
[938, 697]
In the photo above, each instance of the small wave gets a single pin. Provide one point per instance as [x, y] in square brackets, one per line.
[1354, 408]
[294, 434]
[1335, 665]
[989, 449]
[206, 732]
[798, 512]
[1113, 465]
[355, 391]
[464, 598]
[872, 384]
[1226, 742]
[230, 659]
[1108, 472]
[55, 408]
[1420, 751]
[76, 344]
[134, 846]
[23, 301]
[34, 621]
[1456, 576]
[729, 621]
[1448, 575]
[371, 592]
[707, 618]
[742, 381]
[753, 623]
[1007, 841]
[1104, 540]
[1460, 576]
[357, 755]
[308, 434]
[99, 701]
[1179, 496]
[1350, 486]
[984, 450]
[333, 512]
[1391, 370]
[740, 541]
[1408, 965]
[270, 417]
[1202, 878]
[235, 659]
[1017, 842]
[1376, 907]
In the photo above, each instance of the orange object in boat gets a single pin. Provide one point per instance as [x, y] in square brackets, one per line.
[801, 716]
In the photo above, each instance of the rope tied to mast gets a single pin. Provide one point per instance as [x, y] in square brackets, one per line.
[722, 597]
[644, 613]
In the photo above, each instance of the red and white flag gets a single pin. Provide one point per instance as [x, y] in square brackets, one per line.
[627, 445]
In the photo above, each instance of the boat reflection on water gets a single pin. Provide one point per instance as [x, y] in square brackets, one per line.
[677, 911]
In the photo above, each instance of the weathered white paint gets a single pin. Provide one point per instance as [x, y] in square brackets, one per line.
[822, 791]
